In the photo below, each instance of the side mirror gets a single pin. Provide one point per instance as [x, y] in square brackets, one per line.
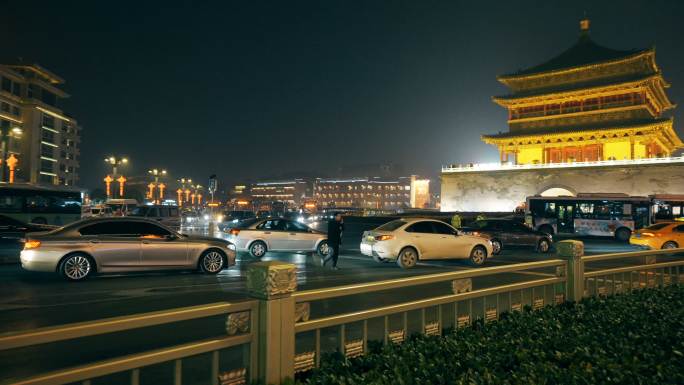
[171, 237]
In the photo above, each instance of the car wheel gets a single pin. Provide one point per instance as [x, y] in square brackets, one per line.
[212, 261]
[258, 249]
[544, 246]
[623, 234]
[76, 267]
[478, 255]
[496, 246]
[670, 245]
[323, 250]
[408, 257]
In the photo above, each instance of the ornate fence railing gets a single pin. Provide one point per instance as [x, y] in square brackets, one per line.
[285, 331]
[238, 333]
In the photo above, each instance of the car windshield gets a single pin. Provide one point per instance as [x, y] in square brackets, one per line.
[657, 226]
[391, 226]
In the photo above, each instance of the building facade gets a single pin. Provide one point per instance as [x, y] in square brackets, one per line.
[34, 128]
[372, 193]
[589, 120]
[291, 192]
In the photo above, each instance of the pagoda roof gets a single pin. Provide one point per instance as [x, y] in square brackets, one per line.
[584, 52]
[578, 129]
[588, 85]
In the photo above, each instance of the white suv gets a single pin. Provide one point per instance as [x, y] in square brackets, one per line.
[410, 240]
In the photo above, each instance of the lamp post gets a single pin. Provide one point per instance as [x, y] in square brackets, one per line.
[150, 194]
[12, 164]
[179, 192]
[156, 173]
[5, 153]
[116, 162]
[183, 182]
[122, 181]
[197, 193]
[162, 186]
[108, 183]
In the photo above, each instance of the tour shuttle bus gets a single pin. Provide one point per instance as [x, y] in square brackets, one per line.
[612, 215]
[42, 205]
[667, 207]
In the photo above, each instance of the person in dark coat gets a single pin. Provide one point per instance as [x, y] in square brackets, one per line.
[335, 229]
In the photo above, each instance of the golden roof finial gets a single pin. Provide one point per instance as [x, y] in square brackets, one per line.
[584, 25]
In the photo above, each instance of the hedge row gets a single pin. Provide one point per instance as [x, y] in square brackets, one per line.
[636, 338]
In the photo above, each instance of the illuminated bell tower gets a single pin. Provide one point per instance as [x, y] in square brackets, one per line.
[590, 103]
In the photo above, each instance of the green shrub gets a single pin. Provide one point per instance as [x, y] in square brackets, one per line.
[636, 338]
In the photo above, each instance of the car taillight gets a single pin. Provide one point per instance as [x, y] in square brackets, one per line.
[234, 231]
[31, 244]
[384, 237]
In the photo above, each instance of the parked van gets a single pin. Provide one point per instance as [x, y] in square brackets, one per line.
[121, 207]
[166, 215]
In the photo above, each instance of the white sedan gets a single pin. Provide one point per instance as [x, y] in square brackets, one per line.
[409, 240]
[278, 235]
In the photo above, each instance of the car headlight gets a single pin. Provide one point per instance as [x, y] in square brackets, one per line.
[231, 246]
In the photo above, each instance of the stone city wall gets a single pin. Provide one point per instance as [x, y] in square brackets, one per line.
[504, 190]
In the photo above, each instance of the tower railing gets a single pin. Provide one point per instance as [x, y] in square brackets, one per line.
[474, 167]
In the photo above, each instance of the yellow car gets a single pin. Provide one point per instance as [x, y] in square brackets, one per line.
[665, 235]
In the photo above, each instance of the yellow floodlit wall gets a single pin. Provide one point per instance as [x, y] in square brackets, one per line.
[639, 151]
[529, 155]
[617, 150]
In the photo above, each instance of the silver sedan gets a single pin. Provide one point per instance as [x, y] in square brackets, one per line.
[278, 235]
[119, 245]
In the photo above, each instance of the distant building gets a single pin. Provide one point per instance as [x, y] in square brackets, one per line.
[420, 193]
[34, 128]
[587, 120]
[291, 192]
[372, 193]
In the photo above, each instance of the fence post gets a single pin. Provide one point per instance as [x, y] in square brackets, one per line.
[573, 251]
[273, 282]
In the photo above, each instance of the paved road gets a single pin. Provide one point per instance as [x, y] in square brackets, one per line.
[31, 300]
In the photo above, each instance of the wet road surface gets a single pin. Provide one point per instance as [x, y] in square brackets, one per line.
[31, 300]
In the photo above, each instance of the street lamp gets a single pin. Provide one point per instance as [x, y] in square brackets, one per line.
[197, 193]
[6, 155]
[115, 162]
[157, 173]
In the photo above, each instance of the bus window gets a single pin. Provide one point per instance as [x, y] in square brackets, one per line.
[585, 210]
[40, 205]
[640, 216]
[602, 210]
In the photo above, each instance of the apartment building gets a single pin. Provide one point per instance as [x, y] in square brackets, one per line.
[34, 128]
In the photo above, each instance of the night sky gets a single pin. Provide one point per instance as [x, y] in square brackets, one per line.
[256, 89]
